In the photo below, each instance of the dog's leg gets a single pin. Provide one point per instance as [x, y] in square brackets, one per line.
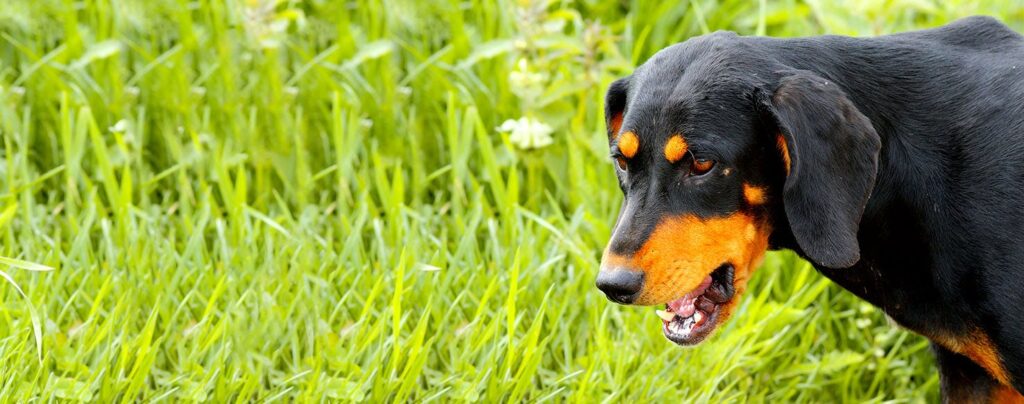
[963, 381]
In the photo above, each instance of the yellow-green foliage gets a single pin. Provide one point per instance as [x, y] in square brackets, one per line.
[321, 200]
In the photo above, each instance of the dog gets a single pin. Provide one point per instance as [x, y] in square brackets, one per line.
[894, 164]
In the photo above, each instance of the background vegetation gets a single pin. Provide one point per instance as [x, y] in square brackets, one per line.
[309, 200]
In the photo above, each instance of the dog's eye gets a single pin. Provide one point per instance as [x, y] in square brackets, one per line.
[621, 163]
[701, 166]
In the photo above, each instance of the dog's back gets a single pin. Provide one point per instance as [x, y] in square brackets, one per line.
[977, 34]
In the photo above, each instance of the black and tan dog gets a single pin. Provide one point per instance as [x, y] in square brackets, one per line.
[894, 164]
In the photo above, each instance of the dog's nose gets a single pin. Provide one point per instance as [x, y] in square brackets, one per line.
[621, 285]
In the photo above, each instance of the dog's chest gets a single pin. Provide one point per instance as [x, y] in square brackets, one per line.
[910, 301]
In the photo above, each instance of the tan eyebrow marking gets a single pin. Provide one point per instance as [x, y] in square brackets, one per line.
[675, 148]
[753, 194]
[629, 144]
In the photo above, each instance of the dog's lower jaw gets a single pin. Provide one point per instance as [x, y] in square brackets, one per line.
[690, 319]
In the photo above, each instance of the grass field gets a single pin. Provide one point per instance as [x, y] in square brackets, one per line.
[306, 201]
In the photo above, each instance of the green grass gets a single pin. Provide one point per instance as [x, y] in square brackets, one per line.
[306, 201]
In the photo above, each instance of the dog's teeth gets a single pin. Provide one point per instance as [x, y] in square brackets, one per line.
[665, 315]
[697, 316]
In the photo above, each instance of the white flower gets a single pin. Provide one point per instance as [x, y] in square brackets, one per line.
[522, 78]
[527, 133]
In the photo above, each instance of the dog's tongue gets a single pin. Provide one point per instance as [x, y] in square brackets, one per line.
[684, 306]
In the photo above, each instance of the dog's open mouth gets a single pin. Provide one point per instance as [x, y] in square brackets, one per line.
[691, 318]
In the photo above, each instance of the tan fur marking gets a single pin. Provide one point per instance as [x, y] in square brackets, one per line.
[1006, 395]
[675, 148]
[979, 348]
[754, 195]
[629, 144]
[780, 141]
[683, 250]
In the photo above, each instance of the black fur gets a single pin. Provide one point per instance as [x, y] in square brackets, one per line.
[907, 177]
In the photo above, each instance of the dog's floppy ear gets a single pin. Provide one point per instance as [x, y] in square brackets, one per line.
[830, 151]
[615, 106]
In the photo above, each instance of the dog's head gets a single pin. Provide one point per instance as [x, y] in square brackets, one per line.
[720, 153]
